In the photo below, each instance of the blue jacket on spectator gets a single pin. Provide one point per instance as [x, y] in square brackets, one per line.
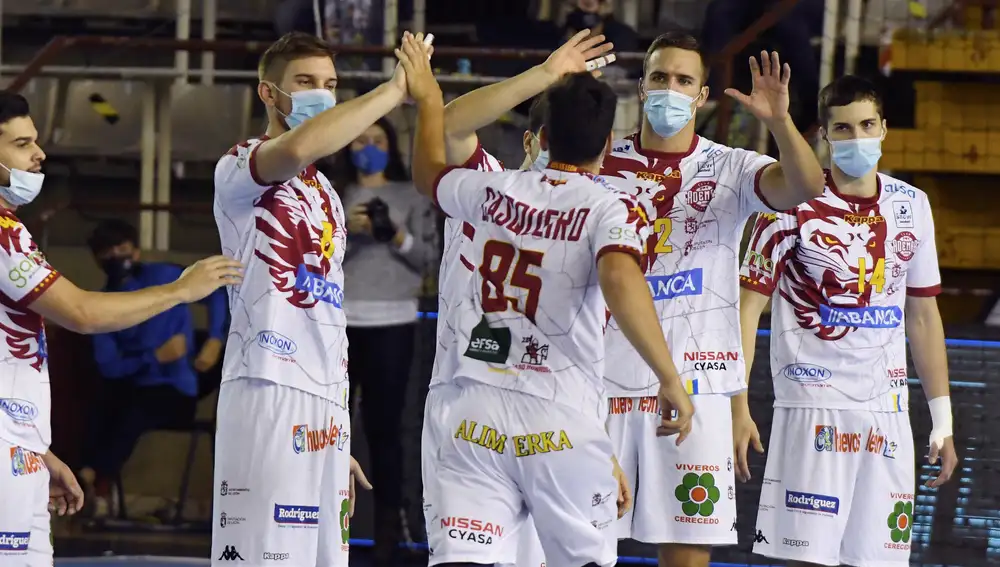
[131, 353]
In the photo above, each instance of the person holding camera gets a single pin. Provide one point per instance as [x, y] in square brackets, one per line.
[390, 247]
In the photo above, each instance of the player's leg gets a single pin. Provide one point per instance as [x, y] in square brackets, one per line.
[685, 500]
[40, 546]
[270, 442]
[623, 424]
[24, 491]
[478, 508]
[808, 485]
[565, 473]
[433, 434]
[879, 530]
[335, 521]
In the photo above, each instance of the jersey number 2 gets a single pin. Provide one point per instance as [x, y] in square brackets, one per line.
[878, 275]
[662, 228]
[498, 258]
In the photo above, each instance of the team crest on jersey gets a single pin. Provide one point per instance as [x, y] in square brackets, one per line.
[700, 195]
[904, 245]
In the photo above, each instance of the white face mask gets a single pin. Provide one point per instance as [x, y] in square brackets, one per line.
[24, 186]
[543, 157]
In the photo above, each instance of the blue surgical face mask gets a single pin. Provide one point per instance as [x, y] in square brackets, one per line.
[856, 157]
[370, 159]
[24, 186]
[668, 111]
[543, 158]
[307, 104]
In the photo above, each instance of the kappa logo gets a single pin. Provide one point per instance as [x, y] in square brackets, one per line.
[230, 554]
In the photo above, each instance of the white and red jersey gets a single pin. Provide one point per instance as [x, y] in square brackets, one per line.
[698, 203]
[25, 403]
[531, 318]
[455, 272]
[842, 267]
[288, 323]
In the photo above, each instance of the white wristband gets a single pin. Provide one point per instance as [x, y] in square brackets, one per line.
[941, 425]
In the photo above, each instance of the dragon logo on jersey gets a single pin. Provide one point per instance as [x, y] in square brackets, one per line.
[840, 262]
[24, 329]
[656, 181]
[298, 249]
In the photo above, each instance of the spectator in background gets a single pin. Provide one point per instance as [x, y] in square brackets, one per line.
[389, 250]
[150, 380]
[599, 17]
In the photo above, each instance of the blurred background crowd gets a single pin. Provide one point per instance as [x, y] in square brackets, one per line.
[135, 101]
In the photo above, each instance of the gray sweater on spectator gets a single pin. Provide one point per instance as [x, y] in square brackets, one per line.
[381, 281]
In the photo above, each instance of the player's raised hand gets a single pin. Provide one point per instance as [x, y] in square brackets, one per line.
[357, 476]
[949, 460]
[398, 79]
[768, 100]
[205, 276]
[672, 397]
[414, 56]
[583, 52]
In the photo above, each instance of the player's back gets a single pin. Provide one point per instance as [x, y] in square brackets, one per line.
[454, 272]
[532, 316]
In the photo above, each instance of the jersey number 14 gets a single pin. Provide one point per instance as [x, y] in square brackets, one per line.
[877, 280]
[498, 260]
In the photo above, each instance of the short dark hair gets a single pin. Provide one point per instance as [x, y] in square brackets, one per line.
[110, 233]
[677, 40]
[291, 46]
[536, 114]
[12, 105]
[845, 90]
[579, 118]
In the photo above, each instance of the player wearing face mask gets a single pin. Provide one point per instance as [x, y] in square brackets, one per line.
[697, 195]
[283, 437]
[852, 275]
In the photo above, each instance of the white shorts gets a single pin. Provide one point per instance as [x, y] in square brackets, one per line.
[503, 453]
[838, 488]
[25, 537]
[434, 433]
[282, 477]
[682, 494]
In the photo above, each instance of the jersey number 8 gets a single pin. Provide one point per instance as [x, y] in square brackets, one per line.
[498, 258]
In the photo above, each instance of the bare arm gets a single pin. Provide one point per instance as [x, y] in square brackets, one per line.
[798, 176]
[627, 295]
[481, 107]
[89, 312]
[284, 157]
[926, 334]
[751, 306]
[428, 147]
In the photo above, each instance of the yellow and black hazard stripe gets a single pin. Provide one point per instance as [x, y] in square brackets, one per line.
[102, 107]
